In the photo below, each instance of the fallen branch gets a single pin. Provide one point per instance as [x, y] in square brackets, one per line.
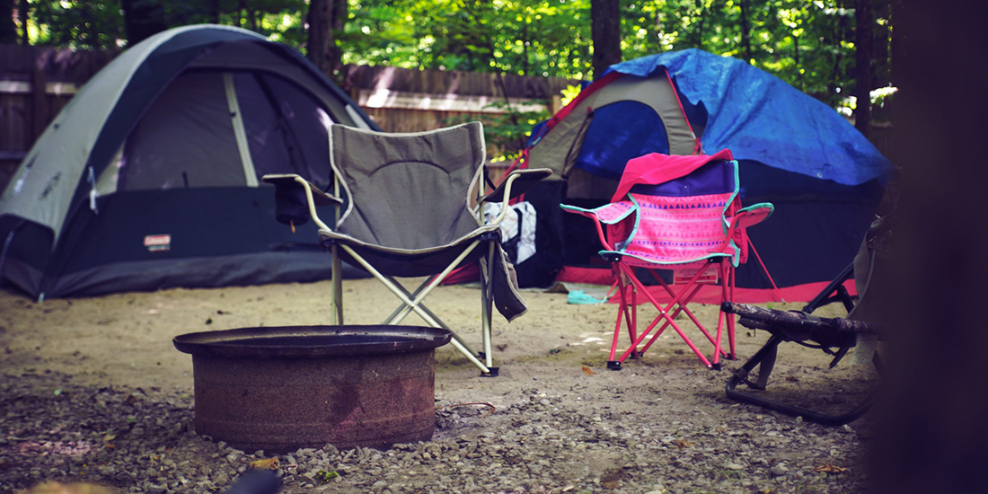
[457, 405]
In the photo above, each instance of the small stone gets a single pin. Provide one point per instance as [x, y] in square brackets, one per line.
[221, 478]
[778, 470]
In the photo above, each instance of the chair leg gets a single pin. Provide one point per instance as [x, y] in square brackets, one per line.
[617, 324]
[682, 307]
[415, 305]
[613, 364]
[732, 355]
[663, 314]
[487, 308]
[633, 325]
[721, 273]
[336, 295]
[403, 310]
[765, 360]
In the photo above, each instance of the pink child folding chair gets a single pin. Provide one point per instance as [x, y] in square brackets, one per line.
[678, 213]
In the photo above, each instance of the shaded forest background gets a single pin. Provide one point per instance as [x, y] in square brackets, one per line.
[838, 51]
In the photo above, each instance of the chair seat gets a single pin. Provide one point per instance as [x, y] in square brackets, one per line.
[672, 262]
[410, 263]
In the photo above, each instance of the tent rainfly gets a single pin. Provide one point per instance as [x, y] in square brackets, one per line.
[148, 178]
[823, 176]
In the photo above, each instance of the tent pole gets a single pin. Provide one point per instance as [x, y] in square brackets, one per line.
[239, 130]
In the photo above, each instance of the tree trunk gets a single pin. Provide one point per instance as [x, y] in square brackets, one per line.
[930, 432]
[241, 8]
[23, 10]
[142, 19]
[524, 49]
[832, 96]
[213, 12]
[326, 20]
[795, 57]
[605, 28]
[8, 30]
[699, 27]
[863, 50]
[745, 34]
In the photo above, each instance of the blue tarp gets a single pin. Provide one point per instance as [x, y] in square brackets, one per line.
[760, 117]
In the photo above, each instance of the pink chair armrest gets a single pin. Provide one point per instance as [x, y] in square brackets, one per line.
[752, 215]
[607, 214]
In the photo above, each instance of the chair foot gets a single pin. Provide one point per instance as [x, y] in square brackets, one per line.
[614, 365]
[716, 366]
[493, 372]
[637, 355]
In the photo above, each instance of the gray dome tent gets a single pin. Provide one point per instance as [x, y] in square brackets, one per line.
[148, 178]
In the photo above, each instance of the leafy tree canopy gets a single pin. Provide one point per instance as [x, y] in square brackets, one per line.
[809, 44]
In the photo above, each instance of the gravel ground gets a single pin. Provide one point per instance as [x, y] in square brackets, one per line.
[543, 441]
[93, 391]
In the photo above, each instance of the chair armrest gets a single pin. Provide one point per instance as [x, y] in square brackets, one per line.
[292, 180]
[592, 214]
[503, 192]
[751, 215]
[517, 183]
[294, 195]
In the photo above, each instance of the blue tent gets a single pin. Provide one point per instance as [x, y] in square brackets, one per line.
[824, 177]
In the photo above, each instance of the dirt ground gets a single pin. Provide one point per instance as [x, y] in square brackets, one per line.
[556, 349]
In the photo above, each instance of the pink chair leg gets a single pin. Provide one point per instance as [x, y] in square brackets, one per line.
[663, 315]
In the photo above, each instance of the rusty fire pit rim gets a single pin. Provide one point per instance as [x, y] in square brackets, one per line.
[234, 343]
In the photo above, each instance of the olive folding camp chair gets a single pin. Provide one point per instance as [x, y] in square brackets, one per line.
[834, 336]
[411, 205]
[680, 214]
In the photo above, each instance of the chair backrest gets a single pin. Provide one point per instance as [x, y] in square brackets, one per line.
[408, 191]
[682, 220]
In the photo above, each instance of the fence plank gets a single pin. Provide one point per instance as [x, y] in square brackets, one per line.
[14, 125]
[39, 102]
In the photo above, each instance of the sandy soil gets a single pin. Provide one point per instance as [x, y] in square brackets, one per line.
[126, 338]
[556, 348]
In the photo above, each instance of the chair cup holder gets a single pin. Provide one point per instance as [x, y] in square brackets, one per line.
[290, 205]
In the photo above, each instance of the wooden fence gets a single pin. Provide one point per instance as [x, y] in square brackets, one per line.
[37, 82]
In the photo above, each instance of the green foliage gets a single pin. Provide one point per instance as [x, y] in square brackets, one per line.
[324, 476]
[570, 93]
[78, 23]
[809, 44]
[504, 132]
[99, 24]
[511, 36]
